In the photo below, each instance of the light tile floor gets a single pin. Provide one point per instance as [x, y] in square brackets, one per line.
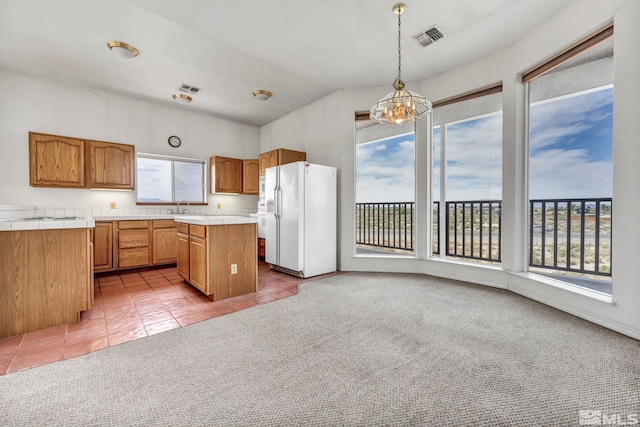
[130, 306]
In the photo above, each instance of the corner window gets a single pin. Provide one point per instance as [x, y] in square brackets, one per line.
[385, 188]
[467, 176]
[163, 179]
[571, 164]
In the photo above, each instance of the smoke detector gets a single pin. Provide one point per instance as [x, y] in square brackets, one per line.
[428, 36]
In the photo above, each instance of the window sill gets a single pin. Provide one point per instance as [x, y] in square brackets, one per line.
[559, 284]
[171, 204]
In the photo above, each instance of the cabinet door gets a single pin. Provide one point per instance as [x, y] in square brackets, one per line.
[290, 156]
[103, 246]
[165, 245]
[226, 175]
[198, 263]
[111, 165]
[183, 256]
[251, 179]
[263, 161]
[273, 158]
[56, 161]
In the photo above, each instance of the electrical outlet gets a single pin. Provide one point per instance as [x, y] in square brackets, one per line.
[112, 205]
[219, 205]
[234, 268]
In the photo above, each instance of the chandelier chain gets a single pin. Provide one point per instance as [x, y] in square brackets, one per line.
[399, 50]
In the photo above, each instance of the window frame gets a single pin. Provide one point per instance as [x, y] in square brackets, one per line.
[173, 159]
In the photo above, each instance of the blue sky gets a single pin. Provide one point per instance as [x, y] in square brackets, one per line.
[570, 155]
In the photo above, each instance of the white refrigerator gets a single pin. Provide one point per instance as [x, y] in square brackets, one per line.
[301, 218]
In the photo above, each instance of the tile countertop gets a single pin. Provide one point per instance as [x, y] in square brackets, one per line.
[46, 223]
[217, 219]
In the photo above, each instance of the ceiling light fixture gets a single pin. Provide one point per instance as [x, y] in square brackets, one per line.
[262, 94]
[401, 105]
[122, 49]
[182, 98]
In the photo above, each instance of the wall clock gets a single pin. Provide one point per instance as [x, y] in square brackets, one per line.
[174, 141]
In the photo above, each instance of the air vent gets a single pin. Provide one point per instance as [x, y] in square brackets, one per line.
[189, 89]
[428, 36]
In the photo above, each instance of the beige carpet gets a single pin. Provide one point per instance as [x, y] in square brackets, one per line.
[358, 349]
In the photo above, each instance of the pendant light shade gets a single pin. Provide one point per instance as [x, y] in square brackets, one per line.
[401, 105]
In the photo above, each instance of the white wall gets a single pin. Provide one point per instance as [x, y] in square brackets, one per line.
[30, 103]
[325, 130]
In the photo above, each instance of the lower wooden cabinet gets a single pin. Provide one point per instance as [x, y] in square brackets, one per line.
[134, 243]
[164, 242]
[102, 239]
[198, 263]
[45, 280]
[219, 260]
[183, 251]
[262, 247]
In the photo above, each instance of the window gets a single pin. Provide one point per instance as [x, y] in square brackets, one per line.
[467, 176]
[164, 179]
[385, 188]
[571, 164]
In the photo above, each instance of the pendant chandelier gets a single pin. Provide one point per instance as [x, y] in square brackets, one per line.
[401, 105]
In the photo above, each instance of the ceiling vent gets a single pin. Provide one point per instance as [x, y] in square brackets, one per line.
[428, 36]
[189, 89]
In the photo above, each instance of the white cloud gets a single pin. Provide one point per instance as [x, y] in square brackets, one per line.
[560, 174]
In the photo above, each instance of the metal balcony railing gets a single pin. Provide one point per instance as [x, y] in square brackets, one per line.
[385, 225]
[474, 230]
[572, 235]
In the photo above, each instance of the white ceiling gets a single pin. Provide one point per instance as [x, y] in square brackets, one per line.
[301, 50]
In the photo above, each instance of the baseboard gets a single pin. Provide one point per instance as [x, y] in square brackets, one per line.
[583, 314]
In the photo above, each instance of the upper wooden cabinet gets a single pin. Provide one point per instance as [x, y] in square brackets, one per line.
[226, 175]
[63, 161]
[56, 161]
[251, 179]
[110, 165]
[279, 156]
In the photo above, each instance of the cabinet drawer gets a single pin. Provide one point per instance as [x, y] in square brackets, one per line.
[198, 230]
[135, 238]
[134, 257]
[163, 223]
[183, 228]
[123, 225]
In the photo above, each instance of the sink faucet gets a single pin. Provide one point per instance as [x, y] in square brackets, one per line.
[183, 209]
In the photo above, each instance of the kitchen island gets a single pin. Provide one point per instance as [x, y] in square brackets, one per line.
[45, 273]
[218, 254]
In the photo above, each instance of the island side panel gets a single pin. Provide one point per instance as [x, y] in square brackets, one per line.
[232, 244]
[44, 280]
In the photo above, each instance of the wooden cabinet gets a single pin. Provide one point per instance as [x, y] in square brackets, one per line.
[45, 278]
[198, 263]
[267, 160]
[183, 251]
[62, 161]
[279, 156]
[133, 244]
[164, 241]
[251, 178]
[226, 175]
[110, 165]
[56, 161]
[213, 251]
[103, 246]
